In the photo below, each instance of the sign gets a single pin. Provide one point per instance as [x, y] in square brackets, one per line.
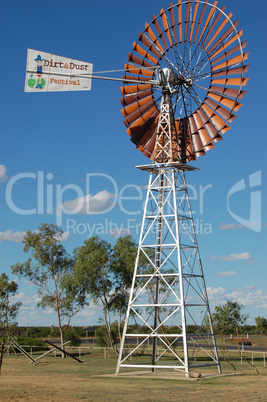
[46, 72]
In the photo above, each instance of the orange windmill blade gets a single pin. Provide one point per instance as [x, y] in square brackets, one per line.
[202, 48]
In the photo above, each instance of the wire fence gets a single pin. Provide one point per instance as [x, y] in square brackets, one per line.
[105, 353]
[76, 350]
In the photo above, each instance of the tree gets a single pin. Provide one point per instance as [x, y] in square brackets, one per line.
[51, 271]
[105, 275]
[123, 262]
[102, 336]
[93, 276]
[8, 310]
[227, 318]
[261, 324]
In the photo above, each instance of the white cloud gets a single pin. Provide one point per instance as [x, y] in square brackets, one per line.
[90, 204]
[216, 294]
[227, 273]
[117, 232]
[64, 237]
[49, 311]
[250, 297]
[27, 300]
[247, 296]
[230, 226]
[233, 257]
[3, 176]
[234, 226]
[18, 236]
[30, 314]
[9, 235]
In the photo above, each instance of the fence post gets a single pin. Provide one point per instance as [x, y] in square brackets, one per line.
[105, 353]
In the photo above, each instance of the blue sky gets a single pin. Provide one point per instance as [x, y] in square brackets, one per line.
[56, 147]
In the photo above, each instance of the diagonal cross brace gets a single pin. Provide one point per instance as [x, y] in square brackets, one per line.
[49, 351]
[13, 343]
[62, 350]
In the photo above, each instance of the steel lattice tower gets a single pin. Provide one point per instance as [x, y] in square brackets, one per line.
[168, 294]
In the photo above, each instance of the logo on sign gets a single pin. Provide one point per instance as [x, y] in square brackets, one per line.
[38, 82]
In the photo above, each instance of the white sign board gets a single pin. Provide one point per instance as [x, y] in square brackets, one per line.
[49, 72]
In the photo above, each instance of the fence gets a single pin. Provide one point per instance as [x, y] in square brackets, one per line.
[78, 350]
[253, 355]
[104, 351]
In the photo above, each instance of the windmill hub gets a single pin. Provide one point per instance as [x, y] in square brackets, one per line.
[170, 80]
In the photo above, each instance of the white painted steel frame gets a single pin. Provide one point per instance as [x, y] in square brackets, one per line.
[171, 212]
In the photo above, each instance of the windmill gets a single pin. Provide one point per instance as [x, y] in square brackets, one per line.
[182, 85]
[183, 82]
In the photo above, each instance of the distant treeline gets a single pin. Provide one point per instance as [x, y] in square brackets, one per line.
[50, 332]
[90, 331]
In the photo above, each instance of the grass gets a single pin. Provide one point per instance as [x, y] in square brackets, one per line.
[55, 379]
[256, 340]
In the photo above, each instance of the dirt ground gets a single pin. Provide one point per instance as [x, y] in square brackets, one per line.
[58, 380]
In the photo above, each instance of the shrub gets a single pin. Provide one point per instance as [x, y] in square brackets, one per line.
[71, 335]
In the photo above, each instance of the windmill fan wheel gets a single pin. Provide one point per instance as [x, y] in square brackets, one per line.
[200, 47]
